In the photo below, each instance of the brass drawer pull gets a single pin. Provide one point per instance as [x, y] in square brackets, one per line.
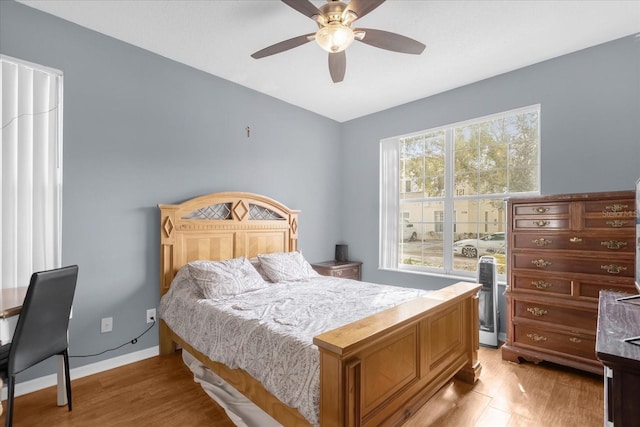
[536, 337]
[537, 311]
[614, 244]
[575, 240]
[540, 263]
[616, 207]
[541, 284]
[575, 340]
[540, 210]
[617, 223]
[613, 268]
[542, 241]
[541, 223]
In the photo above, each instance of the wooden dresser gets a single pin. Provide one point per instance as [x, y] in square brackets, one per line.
[342, 269]
[563, 250]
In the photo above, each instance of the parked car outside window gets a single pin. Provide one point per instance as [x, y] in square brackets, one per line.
[471, 248]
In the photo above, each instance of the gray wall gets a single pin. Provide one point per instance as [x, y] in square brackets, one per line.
[141, 130]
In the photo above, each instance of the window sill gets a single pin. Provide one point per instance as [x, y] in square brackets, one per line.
[473, 279]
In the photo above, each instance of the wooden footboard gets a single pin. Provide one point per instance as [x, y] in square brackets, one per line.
[380, 370]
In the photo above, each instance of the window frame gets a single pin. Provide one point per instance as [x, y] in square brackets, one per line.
[391, 202]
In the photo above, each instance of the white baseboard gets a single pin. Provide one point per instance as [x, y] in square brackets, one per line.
[82, 371]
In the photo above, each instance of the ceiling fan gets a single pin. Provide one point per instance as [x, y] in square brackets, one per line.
[334, 20]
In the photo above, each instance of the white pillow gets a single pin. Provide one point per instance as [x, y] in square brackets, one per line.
[224, 279]
[258, 266]
[286, 266]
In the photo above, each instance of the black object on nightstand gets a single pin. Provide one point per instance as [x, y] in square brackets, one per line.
[342, 269]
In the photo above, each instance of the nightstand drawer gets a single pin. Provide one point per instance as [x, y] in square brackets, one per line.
[347, 273]
[342, 269]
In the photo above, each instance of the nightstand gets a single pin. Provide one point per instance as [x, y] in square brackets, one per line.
[342, 269]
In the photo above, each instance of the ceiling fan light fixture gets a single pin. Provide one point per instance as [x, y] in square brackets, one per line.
[334, 37]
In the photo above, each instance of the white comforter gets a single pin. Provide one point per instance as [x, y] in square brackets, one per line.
[269, 332]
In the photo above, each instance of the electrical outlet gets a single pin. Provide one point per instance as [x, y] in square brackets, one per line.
[106, 325]
[151, 315]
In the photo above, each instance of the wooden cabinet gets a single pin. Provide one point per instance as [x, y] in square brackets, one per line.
[342, 269]
[562, 251]
[617, 321]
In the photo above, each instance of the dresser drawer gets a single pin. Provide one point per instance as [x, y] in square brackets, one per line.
[527, 223]
[613, 208]
[571, 318]
[578, 345]
[610, 214]
[608, 223]
[553, 208]
[541, 284]
[591, 289]
[574, 241]
[605, 266]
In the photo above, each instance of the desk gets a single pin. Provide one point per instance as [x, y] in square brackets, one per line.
[10, 306]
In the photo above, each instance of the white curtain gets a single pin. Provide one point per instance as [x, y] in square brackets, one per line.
[31, 170]
[389, 203]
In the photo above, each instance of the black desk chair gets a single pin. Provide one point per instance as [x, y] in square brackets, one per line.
[41, 331]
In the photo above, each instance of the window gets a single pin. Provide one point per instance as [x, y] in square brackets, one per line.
[455, 181]
[30, 170]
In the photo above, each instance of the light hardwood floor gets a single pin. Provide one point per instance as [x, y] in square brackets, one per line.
[160, 392]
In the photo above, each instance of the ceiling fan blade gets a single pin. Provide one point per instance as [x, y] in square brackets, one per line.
[305, 7]
[391, 41]
[283, 45]
[362, 7]
[337, 66]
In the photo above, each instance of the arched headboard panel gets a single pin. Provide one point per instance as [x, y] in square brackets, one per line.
[222, 226]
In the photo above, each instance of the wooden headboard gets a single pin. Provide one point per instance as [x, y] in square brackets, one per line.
[223, 226]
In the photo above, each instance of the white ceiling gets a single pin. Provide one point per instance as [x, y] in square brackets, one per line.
[467, 41]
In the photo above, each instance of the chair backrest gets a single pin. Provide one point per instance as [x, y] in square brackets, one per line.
[41, 331]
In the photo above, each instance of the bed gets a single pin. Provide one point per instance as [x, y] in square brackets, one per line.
[373, 371]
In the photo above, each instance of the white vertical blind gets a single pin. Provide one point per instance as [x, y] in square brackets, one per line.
[31, 170]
